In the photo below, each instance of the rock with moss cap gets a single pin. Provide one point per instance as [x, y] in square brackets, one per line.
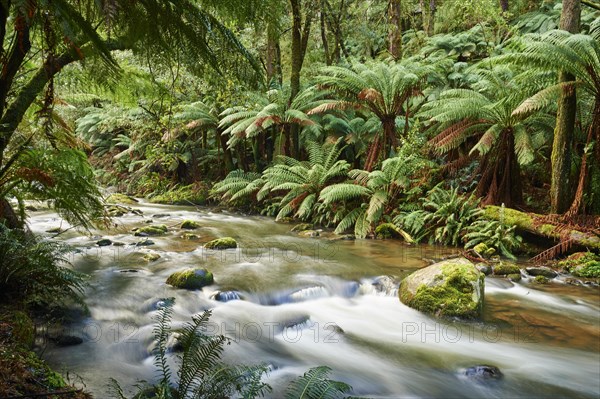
[191, 279]
[152, 230]
[582, 264]
[504, 269]
[452, 288]
[190, 225]
[120, 199]
[221, 243]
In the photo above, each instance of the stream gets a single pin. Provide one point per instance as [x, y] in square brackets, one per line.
[295, 303]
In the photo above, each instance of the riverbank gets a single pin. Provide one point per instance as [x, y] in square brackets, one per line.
[23, 374]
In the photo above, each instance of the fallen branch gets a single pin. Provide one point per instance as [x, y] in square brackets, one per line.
[530, 223]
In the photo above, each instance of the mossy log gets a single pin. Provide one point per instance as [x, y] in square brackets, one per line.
[527, 222]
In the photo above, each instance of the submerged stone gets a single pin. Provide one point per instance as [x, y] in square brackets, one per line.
[302, 227]
[105, 242]
[151, 257]
[226, 296]
[309, 233]
[452, 288]
[221, 243]
[541, 280]
[483, 373]
[191, 279]
[514, 277]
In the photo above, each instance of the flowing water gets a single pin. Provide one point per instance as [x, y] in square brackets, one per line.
[295, 303]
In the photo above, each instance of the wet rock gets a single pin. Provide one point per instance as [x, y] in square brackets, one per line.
[191, 279]
[105, 242]
[120, 199]
[129, 271]
[452, 288]
[483, 268]
[116, 211]
[161, 215]
[302, 227]
[118, 244]
[151, 257]
[144, 243]
[385, 284]
[31, 208]
[309, 233]
[154, 230]
[541, 271]
[55, 230]
[67, 340]
[190, 225]
[190, 236]
[343, 237]
[226, 296]
[514, 277]
[483, 373]
[221, 243]
[505, 268]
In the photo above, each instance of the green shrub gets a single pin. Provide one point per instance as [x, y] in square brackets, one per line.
[493, 234]
[36, 271]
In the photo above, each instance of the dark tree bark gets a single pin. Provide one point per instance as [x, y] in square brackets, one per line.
[395, 32]
[561, 185]
[324, 38]
[504, 5]
[273, 62]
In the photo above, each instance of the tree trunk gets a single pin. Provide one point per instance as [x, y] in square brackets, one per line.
[504, 5]
[8, 216]
[431, 18]
[395, 32]
[324, 39]
[527, 222]
[500, 181]
[561, 187]
[273, 66]
[227, 157]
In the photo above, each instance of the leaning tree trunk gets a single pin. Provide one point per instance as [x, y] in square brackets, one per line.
[8, 216]
[561, 186]
[500, 181]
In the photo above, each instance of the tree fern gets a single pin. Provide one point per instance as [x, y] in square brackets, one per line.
[315, 384]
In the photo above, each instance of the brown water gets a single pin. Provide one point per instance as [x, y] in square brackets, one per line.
[544, 339]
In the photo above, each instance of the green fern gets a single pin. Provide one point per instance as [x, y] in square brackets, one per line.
[315, 384]
[494, 234]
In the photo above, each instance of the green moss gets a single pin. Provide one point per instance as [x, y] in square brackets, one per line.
[120, 199]
[387, 231]
[221, 243]
[153, 230]
[540, 280]
[504, 269]
[302, 227]
[191, 279]
[190, 225]
[151, 257]
[190, 236]
[55, 380]
[454, 295]
[582, 264]
[508, 216]
[188, 195]
[514, 277]
[309, 233]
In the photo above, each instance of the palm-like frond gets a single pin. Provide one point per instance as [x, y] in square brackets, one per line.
[315, 383]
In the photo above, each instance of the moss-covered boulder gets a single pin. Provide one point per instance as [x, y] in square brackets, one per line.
[190, 236]
[120, 199]
[582, 264]
[514, 277]
[194, 194]
[452, 288]
[190, 225]
[541, 271]
[302, 227]
[504, 269]
[483, 250]
[221, 243]
[152, 230]
[541, 280]
[191, 279]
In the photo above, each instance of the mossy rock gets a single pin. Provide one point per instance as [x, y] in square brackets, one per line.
[191, 279]
[151, 257]
[452, 288]
[153, 230]
[190, 236]
[582, 264]
[541, 280]
[121, 199]
[514, 277]
[221, 243]
[190, 225]
[541, 271]
[504, 269]
[187, 195]
[302, 227]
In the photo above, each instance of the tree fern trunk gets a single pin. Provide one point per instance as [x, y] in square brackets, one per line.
[273, 66]
[560, 188]
[227, 157]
